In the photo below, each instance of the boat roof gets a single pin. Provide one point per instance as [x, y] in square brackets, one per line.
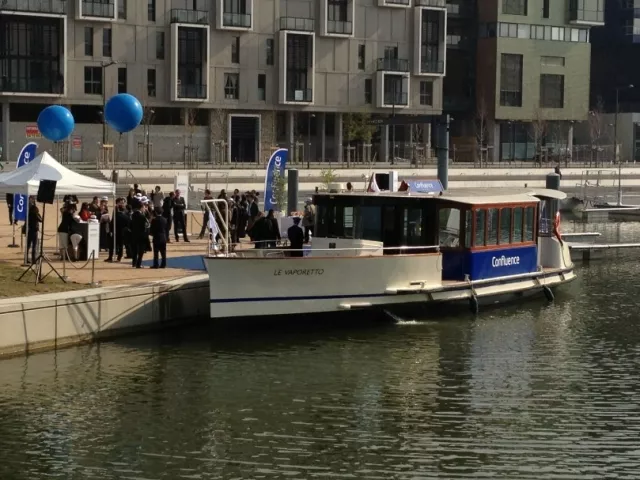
[471, 196]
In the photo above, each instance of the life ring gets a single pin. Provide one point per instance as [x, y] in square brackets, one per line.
[556, 227]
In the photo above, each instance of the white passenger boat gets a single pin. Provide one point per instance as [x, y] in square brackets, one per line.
[388, 250]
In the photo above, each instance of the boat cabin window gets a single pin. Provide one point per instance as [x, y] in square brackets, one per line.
[503, 225]
[468, 228]
[449, 227]
[412, 231]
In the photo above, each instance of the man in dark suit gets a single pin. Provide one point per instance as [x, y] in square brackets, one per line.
[159, 238]
[139, 234]
[167, 212]
[9, 199]
[296, 238]
[179, 222]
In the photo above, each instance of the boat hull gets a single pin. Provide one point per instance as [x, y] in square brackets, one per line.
[292, 286]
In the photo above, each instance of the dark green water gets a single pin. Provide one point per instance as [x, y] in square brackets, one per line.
[530, 391]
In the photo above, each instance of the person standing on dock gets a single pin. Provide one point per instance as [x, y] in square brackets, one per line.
[167, 213]
[309, 219]
[179, 224]
[159, 238]
[296, 238]
[34, 227]
[557, 171]
[9, 199]
[139, 234]
[121, 224]
[205, 210]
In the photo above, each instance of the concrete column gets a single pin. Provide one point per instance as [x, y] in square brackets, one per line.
[443, 151]
[322, 130]
[338, 137]
[570, 143]
[384, 144]
[4, 134]
[291, 136]
[426, 139]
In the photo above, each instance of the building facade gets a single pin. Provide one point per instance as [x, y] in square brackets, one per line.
[225, 80]
[533, 68]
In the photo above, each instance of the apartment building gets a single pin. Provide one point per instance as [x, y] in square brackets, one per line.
[223, 80]
[533, 69]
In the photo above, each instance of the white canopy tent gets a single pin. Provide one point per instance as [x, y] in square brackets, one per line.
[26, 180]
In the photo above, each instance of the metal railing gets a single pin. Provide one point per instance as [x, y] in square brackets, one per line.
[180, 15]
[33, 85]
[303, 95]
[428, 66]
[431, 3]
[392, 64]
[35, 6]
[397, 2]
[282, 249]
[192, 91]
[582, 15]
[94, 9]
[297, 23]
[240, 20]
[217, 216]
[399, 98]
[340, 27]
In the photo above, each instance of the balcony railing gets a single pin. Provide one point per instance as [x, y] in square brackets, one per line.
[393, 65]
[192, 91]
[33, 85]
[199, 17]
[431, 67]
[431, 3]
[299, 24]
[581, 15]
[58, 7]
[102, 10]
[339, 27]
[238, 20]
[397, 98]
[397, 2]
[459, 10]
[303, 96]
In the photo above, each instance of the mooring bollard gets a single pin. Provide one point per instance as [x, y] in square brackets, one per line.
[93, 268]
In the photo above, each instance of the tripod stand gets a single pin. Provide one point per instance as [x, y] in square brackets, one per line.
[36, 266]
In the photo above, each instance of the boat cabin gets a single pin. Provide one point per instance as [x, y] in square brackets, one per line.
[479, 235]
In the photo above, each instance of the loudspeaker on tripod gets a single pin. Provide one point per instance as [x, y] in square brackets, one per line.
[46, 191]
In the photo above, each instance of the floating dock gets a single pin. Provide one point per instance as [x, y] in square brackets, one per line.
[586, 251]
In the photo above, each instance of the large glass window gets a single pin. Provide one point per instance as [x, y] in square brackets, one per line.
[493, 214]
[551, 91]
[511, 80]
[349, 226]
[505, 226]
[369, 223]
[529, 221]
[468, 228]
[412, 234]
[514, 7]
[517, 225]
[479, 237]
[449, 227]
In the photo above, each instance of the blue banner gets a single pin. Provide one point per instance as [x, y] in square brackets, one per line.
[277, 163]
[484, 264]
[20, 202]
[425, 186]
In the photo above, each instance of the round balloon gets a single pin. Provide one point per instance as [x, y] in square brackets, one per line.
[123, 112]
[56, 123]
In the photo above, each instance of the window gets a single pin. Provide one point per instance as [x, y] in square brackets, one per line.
[361, 55]
[468, 228]
[122, 10]
[369, 223]
[235, 50]
[479, 237]
[412, 232]
[529, 220]
[426, 92]
[262, 87]
[151, 82]
[93, 80]
[511, 80]
[517, 225]
[122, 79]
[151, 10]
[88, 41]
[231, 81]
[493, 214]
[449, 227]
[368, 90]
[545, 8]
[514, 7]
[160, 45]
[505, 226]
[552, 61]
[551, 91]
[269, 48]
[106, 42]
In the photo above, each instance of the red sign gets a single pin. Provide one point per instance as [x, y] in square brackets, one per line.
[32, 131]
[76, 143]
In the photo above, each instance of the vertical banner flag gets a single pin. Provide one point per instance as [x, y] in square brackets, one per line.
[277, 163]
[27, 154]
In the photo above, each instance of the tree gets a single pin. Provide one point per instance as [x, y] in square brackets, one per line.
[219, 128]
[482, 117]
[190, 122]
[328, 177]
[538, 134]
[357, 128]
[279, 190]
[597, 128]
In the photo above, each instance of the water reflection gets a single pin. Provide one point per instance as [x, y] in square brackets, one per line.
[529, 391]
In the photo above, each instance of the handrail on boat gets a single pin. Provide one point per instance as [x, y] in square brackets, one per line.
[279, 251]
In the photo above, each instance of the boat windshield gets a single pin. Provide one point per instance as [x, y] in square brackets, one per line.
[449, 227]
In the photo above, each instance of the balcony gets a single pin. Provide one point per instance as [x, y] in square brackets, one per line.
[398, 99]
[579, 15]
[49, 7]
[237, 20]
[394, 3]
[392, 65]
[297, 24]
[339, 28]
[234, 15]
[431, 67]
[300, 96]
[336, 18]
[392, 90]
[193, 92]
[431, 3]
[97, 10]
[198, 17]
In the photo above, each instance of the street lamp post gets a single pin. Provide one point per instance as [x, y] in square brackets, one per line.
[104, 100]
[309, 117]
[393, 127]
[615, 141]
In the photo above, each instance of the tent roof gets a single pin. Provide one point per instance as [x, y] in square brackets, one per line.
[26, 179]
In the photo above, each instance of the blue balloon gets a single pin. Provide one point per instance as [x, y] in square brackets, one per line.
[56, 123]
[123, 112]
